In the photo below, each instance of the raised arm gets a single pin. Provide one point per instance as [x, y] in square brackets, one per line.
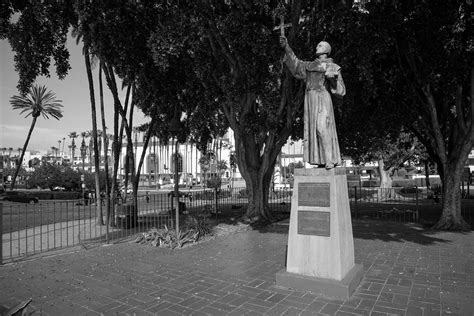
[295, 66]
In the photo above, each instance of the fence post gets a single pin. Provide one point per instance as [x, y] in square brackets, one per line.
[355, 201]
[215, 200]
[416, 195]
[107, 219]
[1, 234]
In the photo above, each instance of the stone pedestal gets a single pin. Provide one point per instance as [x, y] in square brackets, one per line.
[320, 256]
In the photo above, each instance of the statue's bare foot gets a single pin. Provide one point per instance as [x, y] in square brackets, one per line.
[330, 166]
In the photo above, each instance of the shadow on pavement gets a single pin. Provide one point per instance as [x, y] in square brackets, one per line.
[395, 231]
[372, 230]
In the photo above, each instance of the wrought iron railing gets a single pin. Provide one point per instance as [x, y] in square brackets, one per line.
[31, 229]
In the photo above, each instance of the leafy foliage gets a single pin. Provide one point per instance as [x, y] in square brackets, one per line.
[50, 175]
[199, 223]
[37, 37]
[89, 180]
[214, 182]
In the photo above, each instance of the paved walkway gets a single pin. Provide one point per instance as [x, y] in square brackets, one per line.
[408, 271]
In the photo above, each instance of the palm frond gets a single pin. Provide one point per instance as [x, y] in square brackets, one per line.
[38, 102]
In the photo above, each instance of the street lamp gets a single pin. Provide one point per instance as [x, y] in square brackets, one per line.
[174, 128]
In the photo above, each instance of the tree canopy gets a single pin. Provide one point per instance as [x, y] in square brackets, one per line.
[407, 67]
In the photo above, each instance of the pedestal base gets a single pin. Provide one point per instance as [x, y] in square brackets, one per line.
[320, 256]
[340, 289]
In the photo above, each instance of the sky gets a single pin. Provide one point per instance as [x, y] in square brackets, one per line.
[74, 93]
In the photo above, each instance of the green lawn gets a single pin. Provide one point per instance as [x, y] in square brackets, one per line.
[17, 216]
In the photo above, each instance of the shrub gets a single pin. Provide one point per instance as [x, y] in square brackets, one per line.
[168, 238]
[281, 194]
[66, 195]
[410, 190]
[224, 194]
[204, 195]
[43, 195]
[370, 183]
[200, 224]
[402, 172]
[214, 182]
[243, 193]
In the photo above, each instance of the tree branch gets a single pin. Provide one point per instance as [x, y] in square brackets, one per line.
[459, 111]
[214, 34]
[438, 136]
[246, 104]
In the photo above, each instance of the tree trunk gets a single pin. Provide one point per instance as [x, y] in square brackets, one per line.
[32, 126]
[451, 218]
[106, 142]
[140, 164]
[258, 189]
[386, 181]
[257, 170]
[90, 79]
[117, 148]
[427, 174]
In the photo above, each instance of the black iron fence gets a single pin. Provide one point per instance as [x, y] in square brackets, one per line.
[31, 229]
[404, 204]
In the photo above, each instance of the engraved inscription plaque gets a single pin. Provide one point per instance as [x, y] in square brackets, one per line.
[314, 223]
[314, 194]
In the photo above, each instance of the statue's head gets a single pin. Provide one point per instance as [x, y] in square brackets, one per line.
[323, 48]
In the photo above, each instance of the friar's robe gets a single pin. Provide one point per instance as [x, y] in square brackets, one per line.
[321, 146]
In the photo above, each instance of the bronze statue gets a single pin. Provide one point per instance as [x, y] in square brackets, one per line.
[322, 76]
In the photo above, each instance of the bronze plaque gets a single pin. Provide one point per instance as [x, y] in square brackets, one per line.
[314, 223]
[314, 194]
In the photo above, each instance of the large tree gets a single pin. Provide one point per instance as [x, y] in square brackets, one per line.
[409, 68]
[38, 102]
[435, 48]
[237, 60]
[425, 55]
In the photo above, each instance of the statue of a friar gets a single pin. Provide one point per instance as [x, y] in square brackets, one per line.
[322, 76]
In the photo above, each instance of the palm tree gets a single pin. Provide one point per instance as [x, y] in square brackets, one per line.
[73, 136]
[89, 55]
[38, 102]
[54, 151]
[64, 142]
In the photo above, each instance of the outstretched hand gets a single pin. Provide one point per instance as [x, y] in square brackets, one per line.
[283, 41]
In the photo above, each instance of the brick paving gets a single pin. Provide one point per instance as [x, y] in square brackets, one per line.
[408, 271]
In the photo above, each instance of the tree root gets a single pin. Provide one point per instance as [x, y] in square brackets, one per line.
[258, 221]
[451, 225]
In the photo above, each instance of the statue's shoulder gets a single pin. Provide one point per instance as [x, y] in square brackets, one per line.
[315, 65]
[334, 67]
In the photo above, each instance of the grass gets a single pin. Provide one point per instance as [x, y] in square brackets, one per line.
[428, 211]
[17, 216]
